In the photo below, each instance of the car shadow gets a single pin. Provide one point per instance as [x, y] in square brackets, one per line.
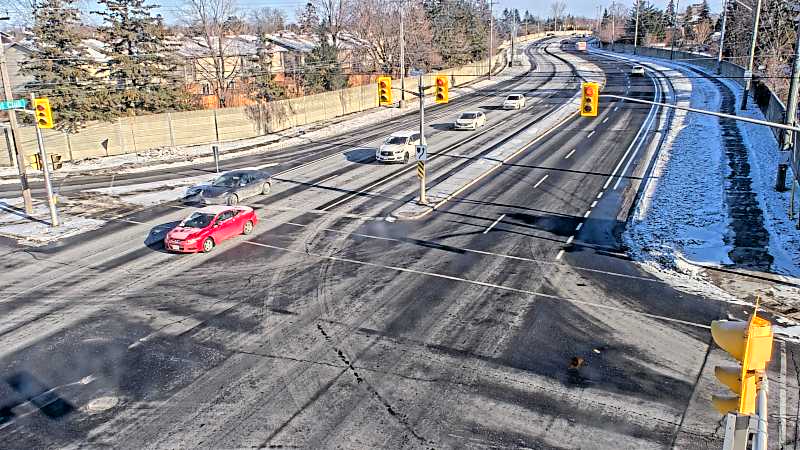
[361, 155]
[491, 107]
[155, 239]
[442, 126]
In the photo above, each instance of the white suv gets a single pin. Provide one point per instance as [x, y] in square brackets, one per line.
[399, 147]
[514, 101]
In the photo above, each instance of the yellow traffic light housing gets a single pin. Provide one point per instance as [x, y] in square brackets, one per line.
[590, 98]
[442, 95]
[750, 343]
[385, 91]
[56, 160]
[36, 161]
[42, 113]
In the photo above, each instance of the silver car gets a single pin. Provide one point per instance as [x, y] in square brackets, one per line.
[231, 187]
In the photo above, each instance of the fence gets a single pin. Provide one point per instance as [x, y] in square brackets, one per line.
[140, 133]
[772, 107]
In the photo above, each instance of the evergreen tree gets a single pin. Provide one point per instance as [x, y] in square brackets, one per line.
[59, 66]
[670, 17]
[323, 72]
[705, 12]
[137, 62]
[651, 23]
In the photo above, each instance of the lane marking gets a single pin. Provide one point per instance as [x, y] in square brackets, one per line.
[560, 254]
[569, 241]
[589, 136]
[578, 228]
[605, 120]
[594, 203]
[493, 224]
[587, 213]
[542, 180]
[442, 276]
[616, 108]
[328, 179]
[570, 153]
[600, 195]
[264, 166]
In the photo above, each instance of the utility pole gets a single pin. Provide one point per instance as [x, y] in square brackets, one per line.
[15, 138]
[674, 26]
[46, 170]
[636, 30]
[613, 23]
[749, 75]
[513, 35]
[722, 35]
[789, 137]
[491, 36]
[402, 58]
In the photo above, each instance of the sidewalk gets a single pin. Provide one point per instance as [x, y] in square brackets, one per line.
[35, 229]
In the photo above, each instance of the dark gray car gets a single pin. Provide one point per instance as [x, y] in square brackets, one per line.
[231, 187]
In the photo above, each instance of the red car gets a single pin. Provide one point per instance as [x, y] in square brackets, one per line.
[209, 226]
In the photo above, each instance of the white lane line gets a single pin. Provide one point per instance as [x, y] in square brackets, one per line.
[648, 124]
[569, 241]
[128, 221]
[328, 179]
[605, 120]
[578, 228]
[570, 153]
[560, 254]
[594, 203]
[782, 399]
[630, 147]
[538, 183]
[627, 311]
[493, 224]
[589, 136]
[264, 166]
[585, 215]
[616, 108]
[600, 195]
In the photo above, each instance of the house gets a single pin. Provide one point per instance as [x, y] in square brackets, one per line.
[15, 52]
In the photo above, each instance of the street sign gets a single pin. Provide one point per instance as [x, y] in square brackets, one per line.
[13, 104]
[422, 153]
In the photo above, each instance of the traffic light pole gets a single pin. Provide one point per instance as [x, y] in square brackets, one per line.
[423, 200]
[402, 58]
[46, 170]
[761, 436]
[749, 81]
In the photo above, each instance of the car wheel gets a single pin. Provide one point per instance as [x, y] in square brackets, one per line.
[248, 227]
[265, 188]
[406, 158]
[208, 245]
[232, 200]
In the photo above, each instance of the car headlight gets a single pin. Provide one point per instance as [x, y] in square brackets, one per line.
[191, 241]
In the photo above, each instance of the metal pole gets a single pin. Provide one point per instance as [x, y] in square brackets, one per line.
[722, 35]
[636, 29]
[402, 58]
[491, 37]
[15, 137]
[760, 437]
[674, 26]
[749, 79]
[791, 115]
[422, 197]
[613, 23]
[46, 170]
[513, 34]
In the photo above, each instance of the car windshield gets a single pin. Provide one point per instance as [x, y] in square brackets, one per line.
[468, 116]
[227, 180]
[396, 140]
[513, 97]
[198, 220]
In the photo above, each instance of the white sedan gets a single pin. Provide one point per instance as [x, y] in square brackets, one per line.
[514, 101]
[637, 71]
[470, 120]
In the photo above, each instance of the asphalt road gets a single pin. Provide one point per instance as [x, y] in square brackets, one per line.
[508, 318]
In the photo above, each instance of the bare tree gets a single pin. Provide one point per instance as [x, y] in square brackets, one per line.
[557, 9]
[702, 31]
[214, 21]
[335, 17]
[267, 20]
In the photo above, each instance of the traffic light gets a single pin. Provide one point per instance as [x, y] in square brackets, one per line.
[441, 89]
[750, 343]
[56, 160]
[36, 161]
[44, 116]
[590, 97]
[385, 91]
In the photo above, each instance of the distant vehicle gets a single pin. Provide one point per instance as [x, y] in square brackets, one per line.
[581, 46]
[398, 147]
[231, 187]
[207, 227]
[470, 120]
[637, 71]
[514, 101]
[550, 34]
